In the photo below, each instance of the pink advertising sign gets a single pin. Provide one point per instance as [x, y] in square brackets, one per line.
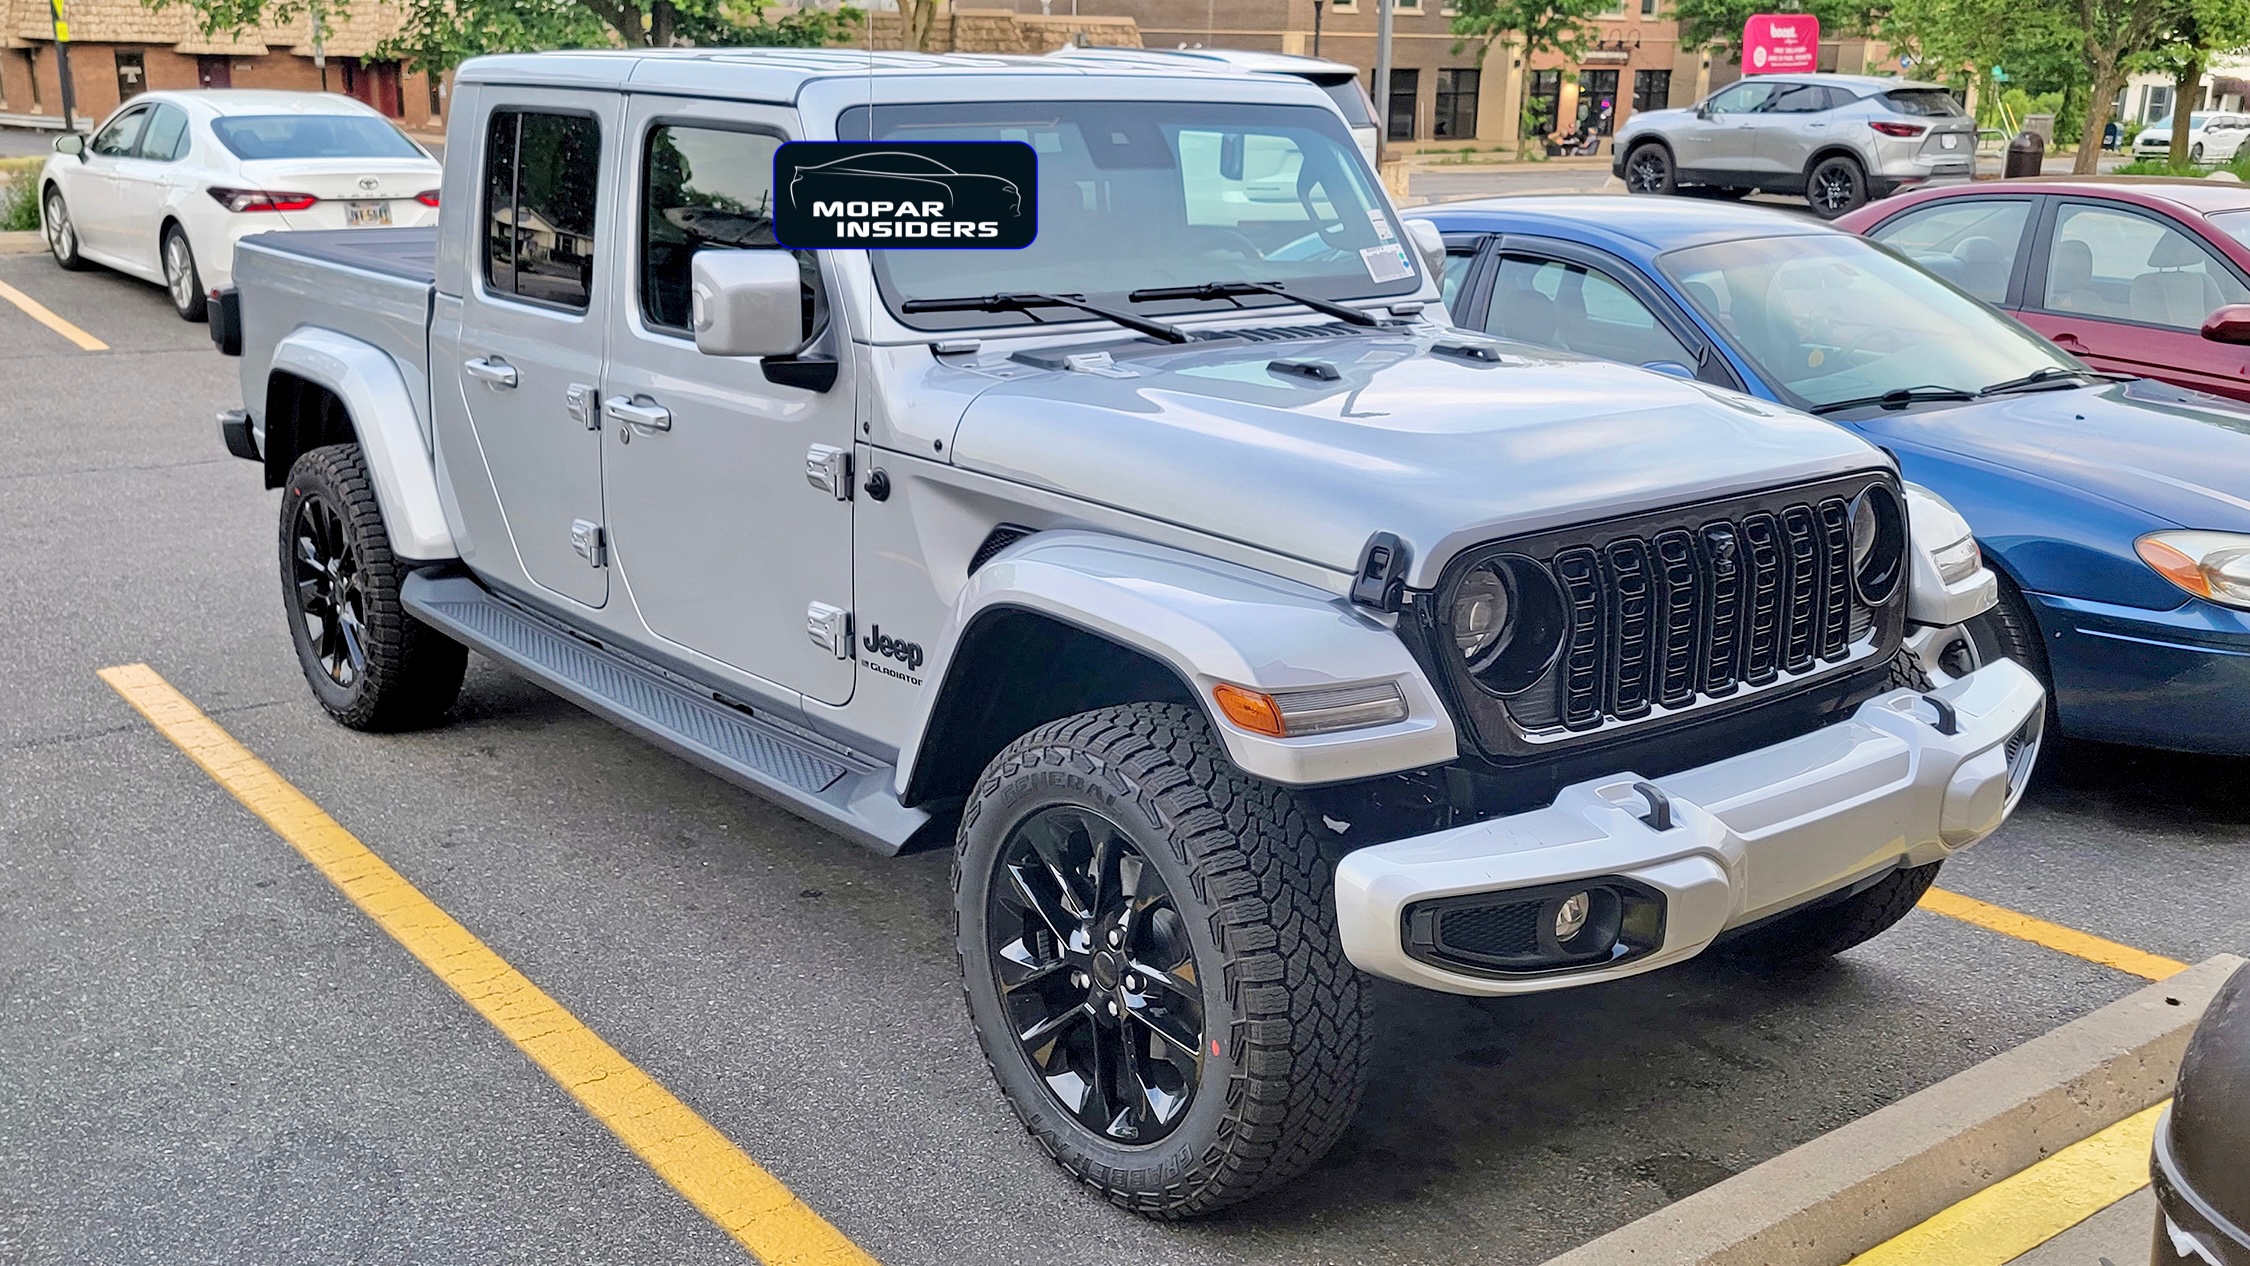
[1780, 43]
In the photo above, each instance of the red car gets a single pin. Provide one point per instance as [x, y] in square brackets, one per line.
[2146, 276]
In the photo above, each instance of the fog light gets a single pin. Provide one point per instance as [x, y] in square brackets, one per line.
[1570, 918]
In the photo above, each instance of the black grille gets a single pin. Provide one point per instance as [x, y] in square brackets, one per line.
[1000, 538]
[1491, 931]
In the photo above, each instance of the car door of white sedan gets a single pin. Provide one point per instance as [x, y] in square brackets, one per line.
[146, 180]
[91, 190]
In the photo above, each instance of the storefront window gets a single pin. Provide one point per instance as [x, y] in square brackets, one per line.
[1652, 89]
[1542, 101]
[1597, 102]
[1456, 105]
[1404, 85]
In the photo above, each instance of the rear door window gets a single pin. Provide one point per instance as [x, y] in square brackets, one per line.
[167, 135]
[540, 180]
[1799, 99]
[1971, 242]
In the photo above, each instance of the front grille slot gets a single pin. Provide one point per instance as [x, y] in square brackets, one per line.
[1802, 613]
[1836, 579]
[1632, 594]
[1761, 537]
[1679, 589]
[1580, 573]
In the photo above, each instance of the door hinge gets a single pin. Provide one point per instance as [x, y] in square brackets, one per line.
[829, 469]
[830, 629]
[590, 542]
[581, 401]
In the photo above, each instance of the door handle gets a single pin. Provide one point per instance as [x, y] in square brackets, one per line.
[638, 411]
[490, 369]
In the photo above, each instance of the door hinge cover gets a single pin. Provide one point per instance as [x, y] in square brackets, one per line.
[590, 542]
[830, 629]
[829, 469]
[581, 401]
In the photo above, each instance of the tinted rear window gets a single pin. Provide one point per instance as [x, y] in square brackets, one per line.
[1933, 102]
[259, 136]
[1344, 91]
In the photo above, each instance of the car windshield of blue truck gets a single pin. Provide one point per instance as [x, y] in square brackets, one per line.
[255, 137]
[1140, 195]
[1831, 319]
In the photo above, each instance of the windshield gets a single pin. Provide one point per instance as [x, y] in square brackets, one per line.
[1140, 195]
[259, 136]
[1827, 319]
[1932, 102]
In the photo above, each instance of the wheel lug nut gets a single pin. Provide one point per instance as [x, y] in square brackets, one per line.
[1133, 983]
[1116, 937]
[1078, 979]
[1113, 1006]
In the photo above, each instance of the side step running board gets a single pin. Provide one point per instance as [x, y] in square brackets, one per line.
[845, 792]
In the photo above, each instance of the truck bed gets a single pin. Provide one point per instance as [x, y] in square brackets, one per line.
[406, 254]
[372, 285]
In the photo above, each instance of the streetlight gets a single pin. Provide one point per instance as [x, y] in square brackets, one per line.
[1316, 7]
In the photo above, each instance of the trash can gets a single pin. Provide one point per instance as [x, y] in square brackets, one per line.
[2203, 1206]
[2025, 154]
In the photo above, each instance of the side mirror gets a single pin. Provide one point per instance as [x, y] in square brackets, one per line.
[2230, 324]
[1429, 243]
[746, 303]
[71, 143]
[1703, 110]
[1230, 156]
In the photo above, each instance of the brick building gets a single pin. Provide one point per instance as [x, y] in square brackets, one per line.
[120, 48]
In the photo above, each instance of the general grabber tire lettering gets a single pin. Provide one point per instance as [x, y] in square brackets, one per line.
[371, 665]
[1836, 926]
[1118, 859]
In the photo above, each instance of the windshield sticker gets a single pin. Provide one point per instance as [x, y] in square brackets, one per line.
[927, 195]
[1388, 262]
[1381, 222]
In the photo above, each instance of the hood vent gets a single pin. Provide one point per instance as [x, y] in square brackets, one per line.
[1001, 538]
[1278, 333]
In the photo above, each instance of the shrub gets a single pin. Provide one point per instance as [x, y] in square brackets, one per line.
[19, 205]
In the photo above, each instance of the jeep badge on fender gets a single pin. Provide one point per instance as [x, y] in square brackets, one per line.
[911, 194]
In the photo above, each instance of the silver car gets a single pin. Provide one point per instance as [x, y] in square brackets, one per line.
[1839, 140]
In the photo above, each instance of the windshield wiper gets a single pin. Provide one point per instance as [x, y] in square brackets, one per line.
[1026, 301]
[2041, 377]
[1897, 398]
[1235, 289]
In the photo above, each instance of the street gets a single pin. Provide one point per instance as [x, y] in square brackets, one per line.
[207, 1053]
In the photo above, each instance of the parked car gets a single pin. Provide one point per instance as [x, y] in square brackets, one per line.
[172, 180]
[2212, 138]
[1840, 140]
[2124, 272]
[2117, 513]
[1244, 627]
[2195, 1166]
[1340, 81]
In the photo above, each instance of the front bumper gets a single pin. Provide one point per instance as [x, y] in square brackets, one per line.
[2177, 679]
[1750, 836]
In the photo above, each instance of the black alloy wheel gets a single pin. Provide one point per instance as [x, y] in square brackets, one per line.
[331, 594]
[1648, 169]
[1836, 187]
[1093, 964]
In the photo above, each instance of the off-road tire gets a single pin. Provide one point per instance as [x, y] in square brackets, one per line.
[1649, 169]
[1836, 186]
[412, 673]
[1282, 1004]
[186, 292]
[1831, 928]
[61, 231]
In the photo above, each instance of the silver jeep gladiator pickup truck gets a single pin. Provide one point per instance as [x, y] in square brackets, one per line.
[1247, 628]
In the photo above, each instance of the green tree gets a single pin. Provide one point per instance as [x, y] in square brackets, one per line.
[437, 35]
[1717, 24]
[1534, 26]
[2110, 33]
[2195, 30]
[1964, 41]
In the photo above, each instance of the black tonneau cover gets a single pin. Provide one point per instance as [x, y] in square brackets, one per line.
[407, 254]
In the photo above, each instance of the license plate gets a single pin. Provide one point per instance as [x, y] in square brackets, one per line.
[360, 215]
[1950, 141]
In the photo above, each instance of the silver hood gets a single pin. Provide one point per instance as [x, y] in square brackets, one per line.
[1445, 451]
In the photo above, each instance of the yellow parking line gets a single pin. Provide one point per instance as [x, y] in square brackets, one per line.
[44, 315]
[2052, 935]
[701, 1164]
[2025, 1210]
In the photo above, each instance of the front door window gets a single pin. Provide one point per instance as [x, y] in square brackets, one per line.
[2119, 266]
[1578, 309]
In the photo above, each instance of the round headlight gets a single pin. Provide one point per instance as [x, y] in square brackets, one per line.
[1878, 537]
[1507, 622]
[1481, 613]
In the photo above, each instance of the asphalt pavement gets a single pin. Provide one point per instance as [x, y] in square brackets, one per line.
[208, 1054]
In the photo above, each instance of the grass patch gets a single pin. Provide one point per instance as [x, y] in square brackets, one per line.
[2239, 166]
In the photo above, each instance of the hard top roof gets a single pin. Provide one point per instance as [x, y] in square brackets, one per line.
[776, 74]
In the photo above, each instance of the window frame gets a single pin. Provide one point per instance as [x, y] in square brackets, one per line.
[2050, 220]
[639, 318]
[180, 147]
[1709, 359]
[486, 291]
[2028, 241]
[144, 110]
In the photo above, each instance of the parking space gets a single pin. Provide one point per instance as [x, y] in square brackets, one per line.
[207, 1052]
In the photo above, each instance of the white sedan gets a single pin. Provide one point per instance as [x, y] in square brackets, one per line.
[172, 179]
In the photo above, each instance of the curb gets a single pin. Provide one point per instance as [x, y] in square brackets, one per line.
[1863, 1183]
[31, 243]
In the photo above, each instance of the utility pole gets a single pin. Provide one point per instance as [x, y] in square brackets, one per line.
[1382, 78]
[1316, 7]
[62, 62]
[320, 44]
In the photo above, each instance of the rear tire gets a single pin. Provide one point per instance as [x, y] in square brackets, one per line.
[182, 279]
[370, 664]
[62, 232]
[1648, 169]
[1825, 930]
[1836, 186]
[1118, 859]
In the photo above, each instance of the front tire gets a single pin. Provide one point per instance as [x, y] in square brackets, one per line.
[1149, 952]
[1837, 186]
[1648, 169]
[62, 234]
[182, 279]
[370, 664]
[2195, 152]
